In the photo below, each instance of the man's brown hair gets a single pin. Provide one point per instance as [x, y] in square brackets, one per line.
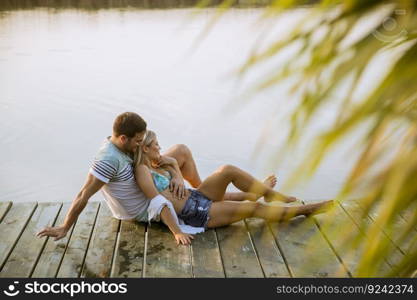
[128, 124]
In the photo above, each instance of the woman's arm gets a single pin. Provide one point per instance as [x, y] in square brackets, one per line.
[144, 180]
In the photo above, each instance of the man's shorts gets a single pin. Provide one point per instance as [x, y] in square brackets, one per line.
[142, 217]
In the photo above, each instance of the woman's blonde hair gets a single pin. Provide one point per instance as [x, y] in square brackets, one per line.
[147, 141]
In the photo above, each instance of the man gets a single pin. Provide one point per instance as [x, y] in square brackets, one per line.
[113, 172]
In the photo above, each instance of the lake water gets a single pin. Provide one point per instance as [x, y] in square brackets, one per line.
[66, 74]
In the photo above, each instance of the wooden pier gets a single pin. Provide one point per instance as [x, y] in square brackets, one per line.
[101, 246]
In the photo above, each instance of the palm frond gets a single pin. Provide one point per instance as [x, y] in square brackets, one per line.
[327, 55]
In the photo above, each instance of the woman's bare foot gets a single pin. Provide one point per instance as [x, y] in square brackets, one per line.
[320, 207]
[275, 196]
[270, 181]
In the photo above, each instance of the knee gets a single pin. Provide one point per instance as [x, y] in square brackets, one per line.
[182, 150]
[226, 169]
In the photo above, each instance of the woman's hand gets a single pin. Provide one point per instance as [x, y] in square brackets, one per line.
[57, 232]
[183, 238]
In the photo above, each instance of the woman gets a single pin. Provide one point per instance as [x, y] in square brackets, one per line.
[208, 205]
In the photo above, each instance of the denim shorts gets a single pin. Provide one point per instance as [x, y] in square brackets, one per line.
[196, 210]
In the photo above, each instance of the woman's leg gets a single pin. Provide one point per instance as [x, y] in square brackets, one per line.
[270, 181]
[186, 163]
[190, 173]
[240, 196]
[227, 212]
[214, 187]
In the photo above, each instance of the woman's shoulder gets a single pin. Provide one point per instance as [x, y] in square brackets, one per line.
[142, 168]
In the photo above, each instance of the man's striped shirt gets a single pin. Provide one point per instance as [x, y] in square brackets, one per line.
[121, 192]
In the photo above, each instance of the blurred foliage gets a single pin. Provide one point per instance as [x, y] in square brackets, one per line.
[330, 55]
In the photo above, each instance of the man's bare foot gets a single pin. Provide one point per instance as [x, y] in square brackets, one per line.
[320, 207]
[270, 181]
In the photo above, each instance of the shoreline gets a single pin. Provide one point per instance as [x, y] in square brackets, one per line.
[126, 4]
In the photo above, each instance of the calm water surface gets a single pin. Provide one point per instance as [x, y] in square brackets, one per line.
[66, 74]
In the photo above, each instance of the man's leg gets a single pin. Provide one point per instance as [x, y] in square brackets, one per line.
[186, 163]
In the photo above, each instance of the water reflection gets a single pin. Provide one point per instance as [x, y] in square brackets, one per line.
[65, 75]
[103, 4]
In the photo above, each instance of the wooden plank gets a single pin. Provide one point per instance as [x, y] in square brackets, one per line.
[100, 251]
[28, 249]
[129, 252]
[51, 257]
[75, 253]
[362, 220]
[206, 258]
[12, 227]
[238, 255]
[164, 258]
[348, 246]
[410, 214]
[395, 232]
[271, 260]
[305, 250]
[4, 208]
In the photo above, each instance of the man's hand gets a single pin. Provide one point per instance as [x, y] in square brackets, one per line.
[183, 238]
[165, 161]
[177, 187]
[57, 232]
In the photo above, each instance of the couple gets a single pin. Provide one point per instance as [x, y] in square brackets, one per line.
[139, 183]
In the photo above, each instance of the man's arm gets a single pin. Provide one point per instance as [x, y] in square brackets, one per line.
[171, 165]
[177, 182]
[91, 186]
